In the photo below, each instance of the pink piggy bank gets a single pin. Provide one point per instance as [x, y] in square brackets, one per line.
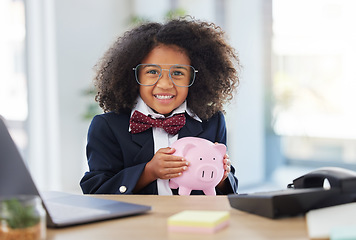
[206, 167]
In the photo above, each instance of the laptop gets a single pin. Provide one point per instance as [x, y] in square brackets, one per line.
[63, 209]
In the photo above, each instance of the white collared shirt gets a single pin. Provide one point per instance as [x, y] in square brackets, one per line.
[160, 137]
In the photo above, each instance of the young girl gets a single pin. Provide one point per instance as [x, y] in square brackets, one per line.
[182, 70]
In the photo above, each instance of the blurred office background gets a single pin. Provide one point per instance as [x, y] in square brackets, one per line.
[294, 110]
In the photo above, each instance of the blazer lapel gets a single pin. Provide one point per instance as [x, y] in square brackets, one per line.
[145, 141]
[192, 128]
[143, 138]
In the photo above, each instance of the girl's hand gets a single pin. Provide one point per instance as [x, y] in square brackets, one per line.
[164, 165]
[227, 167]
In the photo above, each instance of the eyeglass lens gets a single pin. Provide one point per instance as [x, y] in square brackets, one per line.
[149, 74]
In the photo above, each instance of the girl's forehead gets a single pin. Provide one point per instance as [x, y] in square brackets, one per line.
[166, 55]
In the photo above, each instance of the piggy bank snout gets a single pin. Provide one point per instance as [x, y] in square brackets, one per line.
[207, 173]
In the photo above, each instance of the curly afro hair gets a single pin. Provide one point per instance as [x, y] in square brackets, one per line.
[203, 42]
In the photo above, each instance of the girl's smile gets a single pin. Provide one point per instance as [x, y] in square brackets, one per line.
[164, 96]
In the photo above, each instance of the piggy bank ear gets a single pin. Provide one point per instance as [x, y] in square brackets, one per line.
[221, 148]
[187, 148]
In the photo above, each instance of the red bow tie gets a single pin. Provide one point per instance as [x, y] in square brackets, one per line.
[139, 122]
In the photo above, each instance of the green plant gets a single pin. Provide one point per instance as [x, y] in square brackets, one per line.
[17, 215]
[92, 107]
[175, 13]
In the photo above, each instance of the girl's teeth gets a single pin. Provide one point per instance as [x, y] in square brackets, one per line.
[163, 97]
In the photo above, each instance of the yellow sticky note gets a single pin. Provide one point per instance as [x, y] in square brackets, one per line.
[198, 221]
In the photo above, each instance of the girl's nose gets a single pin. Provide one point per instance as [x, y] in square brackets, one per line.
[164, 81]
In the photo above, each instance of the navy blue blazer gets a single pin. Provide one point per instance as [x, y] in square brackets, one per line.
[117, 158]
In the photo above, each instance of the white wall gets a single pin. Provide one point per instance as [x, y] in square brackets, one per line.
[85, 29]
[245, 118]
[65, 40]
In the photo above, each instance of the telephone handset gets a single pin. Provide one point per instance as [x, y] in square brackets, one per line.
[340, 178]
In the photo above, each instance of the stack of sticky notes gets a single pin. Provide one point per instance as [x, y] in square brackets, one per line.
[197, 221]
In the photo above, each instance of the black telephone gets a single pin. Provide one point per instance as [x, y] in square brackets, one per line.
[343, 179]
[305, 193]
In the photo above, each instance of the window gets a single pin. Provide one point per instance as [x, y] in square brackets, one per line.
[13, 85]
[314, 80]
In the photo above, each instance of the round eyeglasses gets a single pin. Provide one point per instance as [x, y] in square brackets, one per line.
[180, 75]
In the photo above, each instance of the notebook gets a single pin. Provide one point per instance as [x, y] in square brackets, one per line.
[63, 209]
[325, 222]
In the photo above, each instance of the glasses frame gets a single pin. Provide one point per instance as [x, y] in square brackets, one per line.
[160, 75]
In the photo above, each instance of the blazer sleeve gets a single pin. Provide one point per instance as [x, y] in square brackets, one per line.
[231, 179]
[108, 171]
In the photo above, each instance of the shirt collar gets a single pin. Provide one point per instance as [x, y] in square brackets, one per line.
[142, 107]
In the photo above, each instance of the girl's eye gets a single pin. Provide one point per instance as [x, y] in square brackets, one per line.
[177, 73]
[152, 71]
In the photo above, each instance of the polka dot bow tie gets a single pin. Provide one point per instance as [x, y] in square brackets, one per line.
[140, 122]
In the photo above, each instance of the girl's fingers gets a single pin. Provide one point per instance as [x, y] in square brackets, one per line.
[174, 172]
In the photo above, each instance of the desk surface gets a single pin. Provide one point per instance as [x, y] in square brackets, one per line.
[153, 225]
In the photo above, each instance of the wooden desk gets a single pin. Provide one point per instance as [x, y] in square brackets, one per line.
[153, 225]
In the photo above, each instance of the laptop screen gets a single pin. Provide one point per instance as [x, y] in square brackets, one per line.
[15, 179]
